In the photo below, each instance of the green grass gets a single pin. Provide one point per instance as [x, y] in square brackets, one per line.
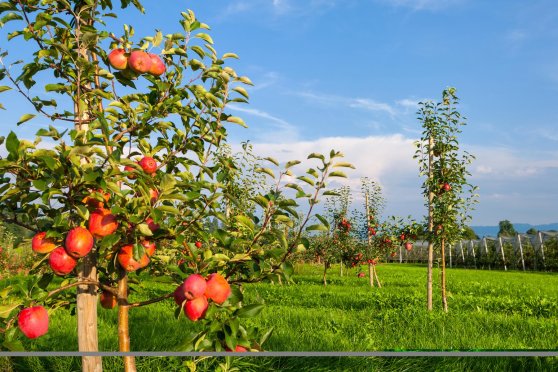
[488, 310]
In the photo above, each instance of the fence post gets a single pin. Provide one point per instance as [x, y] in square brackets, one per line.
[502, 250]
[521, 251]
[473, 249]
[462, 255]
[486, 251]
[542, 249]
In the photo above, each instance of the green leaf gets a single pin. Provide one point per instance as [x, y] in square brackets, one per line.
[237, 120]
[331, 193]
[343, 165]
[307, 180]
[322, 220]
[144, 229]
[25, 118]
[249, 311]
[229, 55]
[168, 209]
[272, 160]
[243, 92]
[12, 144]
[292, 163]
[317, 227]
[338, 174]
[4, 88]
[267, 171]
[5, 310]
[315, 155]
[245, 221]
[204, 37]
[157, 39]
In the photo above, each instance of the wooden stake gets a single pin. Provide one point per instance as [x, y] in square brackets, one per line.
[430, 227]
[502, 250]
[521, 251]
[542, 248]
[444, 298]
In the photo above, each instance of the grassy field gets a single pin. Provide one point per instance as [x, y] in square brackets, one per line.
[488, 310]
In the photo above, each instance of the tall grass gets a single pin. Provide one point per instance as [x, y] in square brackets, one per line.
[488, 310]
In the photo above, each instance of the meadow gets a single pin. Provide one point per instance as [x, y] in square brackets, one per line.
[488, 310]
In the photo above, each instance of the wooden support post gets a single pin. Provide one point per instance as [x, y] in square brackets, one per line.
[521, 251]
[542, 249]
[462, 254]
[486, 251]
[450, 248]
[473, 249]
[503, 256]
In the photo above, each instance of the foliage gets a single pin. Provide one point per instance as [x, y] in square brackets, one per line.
[111, 120]
[506, 228]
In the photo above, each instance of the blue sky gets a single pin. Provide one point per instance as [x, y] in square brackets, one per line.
[347, 74]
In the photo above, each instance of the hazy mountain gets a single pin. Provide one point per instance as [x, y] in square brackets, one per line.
[519, 227]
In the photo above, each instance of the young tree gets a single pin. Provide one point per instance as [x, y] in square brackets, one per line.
[135, 170]
[449, 195]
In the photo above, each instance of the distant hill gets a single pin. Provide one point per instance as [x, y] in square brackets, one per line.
[519, 227]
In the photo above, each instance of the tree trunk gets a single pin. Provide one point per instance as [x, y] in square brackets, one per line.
[123, 329]
[341, 268]
[444, 298]
[430, 229]
[86, 304]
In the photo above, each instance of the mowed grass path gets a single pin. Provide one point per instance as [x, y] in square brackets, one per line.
[488, 310]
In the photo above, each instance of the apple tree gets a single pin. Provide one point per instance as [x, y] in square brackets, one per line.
[449, 195]
[131, 167]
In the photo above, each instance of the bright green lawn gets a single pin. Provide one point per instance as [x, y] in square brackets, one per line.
[488, 310]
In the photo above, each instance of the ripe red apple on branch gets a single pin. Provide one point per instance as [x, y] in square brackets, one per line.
[79, 242]
[148, 164]
[408, 246]
[33, 321]
[218, 289]
[126, 259]
[41, 244]
[158, 67]
[151, 224]
[195, 309]
[108, 300]
[198, 244]
[61, 262]
[139, 61]
[118, 59]
[102, 223]
[194, 286]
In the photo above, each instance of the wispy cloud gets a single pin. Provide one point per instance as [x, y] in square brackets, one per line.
[361, 103]
[279, 128]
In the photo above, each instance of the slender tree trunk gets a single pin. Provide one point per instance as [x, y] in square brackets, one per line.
[341, 268]
[430, 229]
[371, 275]
[123, 328]
[444, 298]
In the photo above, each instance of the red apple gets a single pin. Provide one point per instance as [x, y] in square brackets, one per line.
[149, 247]
[102, 223]
[360, 275]
[446, 187]
[198, 244]
[139, 61]
[408, 246]
[194, 286]
[158, 67]
[195, 309]
[154, 195]
[79, 242]
[130, 171]
[218, 289]
[118, 59]
[179, 296]
[393, 254]
[108, 300]
[33, 321]
[238, 349]
[126, 259]
[41, 244]
[95, 203]
[148, 164]
[61, 262]
[152, 225]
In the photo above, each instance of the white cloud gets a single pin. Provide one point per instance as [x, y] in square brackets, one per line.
[361, 103]
[281, 129]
